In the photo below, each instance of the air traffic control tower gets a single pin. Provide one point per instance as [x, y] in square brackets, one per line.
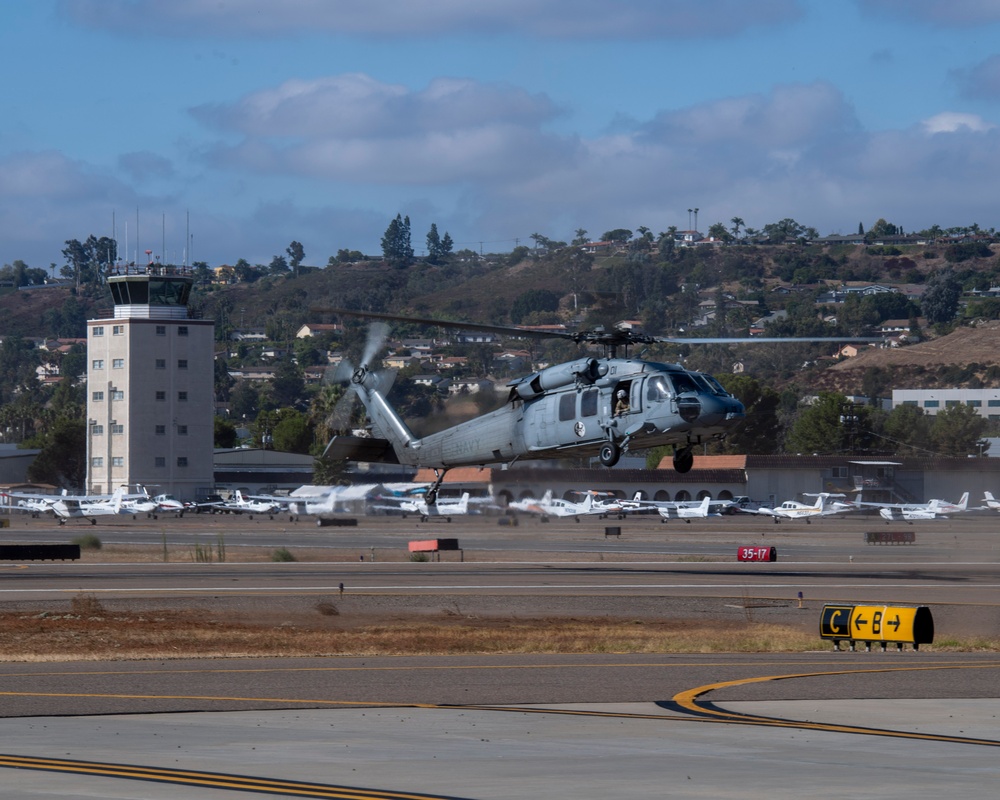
[150, 400]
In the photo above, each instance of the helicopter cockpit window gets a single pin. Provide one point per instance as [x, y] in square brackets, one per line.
[716, 386]
[567, 407]
[657, 389]
[588, 403]
[704, 385]
[683, 382]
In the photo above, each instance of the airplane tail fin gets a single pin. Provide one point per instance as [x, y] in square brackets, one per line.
[964, 502]
[637, 497]
[463, 504]
[547, 497]
[588, 502]
[703, 509]
[116, 499]
[988, 496]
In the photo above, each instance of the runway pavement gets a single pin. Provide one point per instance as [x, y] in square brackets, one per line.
[913, 724]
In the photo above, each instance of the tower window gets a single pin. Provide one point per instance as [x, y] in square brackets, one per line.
[97, 330]
[97, 363]
[182, 330]
[161, 330]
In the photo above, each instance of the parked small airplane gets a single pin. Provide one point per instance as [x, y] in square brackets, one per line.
[66, 506]
[686, 512]
[243, 505]
[445, 508]
[792, 509]
[550, 506]
[932, 509]
[991, 501]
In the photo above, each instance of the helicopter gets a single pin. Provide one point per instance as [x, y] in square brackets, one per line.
[591, 406]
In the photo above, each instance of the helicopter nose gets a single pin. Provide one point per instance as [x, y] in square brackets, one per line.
[721, 410]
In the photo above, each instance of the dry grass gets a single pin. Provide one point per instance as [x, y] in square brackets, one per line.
[88, 632]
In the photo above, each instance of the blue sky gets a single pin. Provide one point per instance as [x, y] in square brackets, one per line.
[319, 120]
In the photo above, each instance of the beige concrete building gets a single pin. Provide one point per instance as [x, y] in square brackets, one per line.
[150, 383]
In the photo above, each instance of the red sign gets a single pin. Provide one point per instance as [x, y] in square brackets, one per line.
[757, 554]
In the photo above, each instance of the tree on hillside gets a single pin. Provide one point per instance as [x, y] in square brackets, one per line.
[531, 301]
[396, 247]
[296, 255]
[939, 302]
[438, 248]
[788, 230]
[278, 265]
[618, 235]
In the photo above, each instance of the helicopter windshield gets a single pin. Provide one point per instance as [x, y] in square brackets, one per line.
[715, 386]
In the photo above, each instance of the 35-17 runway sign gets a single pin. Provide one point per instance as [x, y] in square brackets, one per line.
[913, 624]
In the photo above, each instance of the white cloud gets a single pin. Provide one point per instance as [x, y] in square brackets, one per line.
[354, 128]
[555, 19]
[953, 121]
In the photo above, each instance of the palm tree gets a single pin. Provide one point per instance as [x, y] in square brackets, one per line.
[737, 224]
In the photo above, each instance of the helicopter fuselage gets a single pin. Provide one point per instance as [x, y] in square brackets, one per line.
[582, 408]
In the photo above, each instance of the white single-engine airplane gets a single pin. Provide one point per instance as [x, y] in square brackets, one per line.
[67, 506]
[792, 509]
[445, 508]
[550, 506]
[244, 505]
[932, 509]
[687, 512]
[563, 411]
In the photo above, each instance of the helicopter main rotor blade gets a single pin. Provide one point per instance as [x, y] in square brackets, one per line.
[503, 330]
[607, 338]
[763, 339]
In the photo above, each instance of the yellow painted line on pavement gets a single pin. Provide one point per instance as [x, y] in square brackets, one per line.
[209, 780]
[689, 700]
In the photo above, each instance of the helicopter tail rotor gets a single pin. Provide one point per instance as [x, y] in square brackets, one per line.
[356, 376]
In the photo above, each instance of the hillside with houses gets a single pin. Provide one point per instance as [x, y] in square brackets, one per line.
[929, 304]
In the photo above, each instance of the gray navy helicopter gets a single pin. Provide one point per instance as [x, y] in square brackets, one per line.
[588, 407]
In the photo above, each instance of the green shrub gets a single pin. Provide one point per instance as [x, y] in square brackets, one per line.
[88, 541]
[283, 554]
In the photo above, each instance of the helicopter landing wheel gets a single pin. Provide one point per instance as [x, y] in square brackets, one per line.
[683, 460]
[610, 453]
